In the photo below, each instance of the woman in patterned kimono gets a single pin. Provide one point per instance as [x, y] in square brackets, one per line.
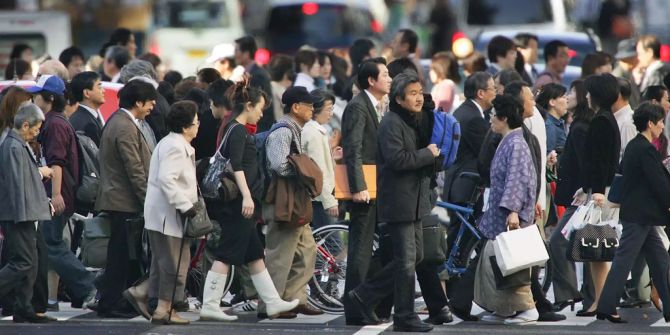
[511, 206]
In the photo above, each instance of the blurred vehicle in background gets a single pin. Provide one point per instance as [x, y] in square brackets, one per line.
[46, 32]
[184, 31]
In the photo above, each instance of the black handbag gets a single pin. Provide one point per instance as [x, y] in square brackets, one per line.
[199, 225]
[516, 279]
[615, 194]
[593, 243]
[219, 181]
[434, 240]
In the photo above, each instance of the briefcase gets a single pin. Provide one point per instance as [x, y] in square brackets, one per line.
[342, 191]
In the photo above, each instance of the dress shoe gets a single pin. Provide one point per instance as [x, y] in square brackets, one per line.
[29, 318]
[281, 315]
[586, 313]
[610, 318]
[413, 326]
[551, 317]
[368, 312]
[307, 310]
[139, 303]
[463, 315]
[559, 306]
[164, 319]
[443, 316]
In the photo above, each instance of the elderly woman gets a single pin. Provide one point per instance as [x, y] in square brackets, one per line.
[171, 192]
[645, 204]
[511, 206]
[23, 202]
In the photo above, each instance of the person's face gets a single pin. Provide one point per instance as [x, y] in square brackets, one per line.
[255, 112]
[29, 133]
[27, 55]
[528, 102]
[303, 111]
[383, 82]
[131, 46]
[571, 99]
[560, 105]
[372, 54]
[560, 62]
[530, 52]
[315, 70]
[656, 129]
[644, 56]
[109, 68]
[326, 113]
[607, 68]
[217, 112]
[507, 62]
[487, 95]
[499, 125]
[398, 48]
[434, 78]
[76, 66]
[665, 103]
[96, 95]
[240, 57]
[145, 108]
[326, 69]
[44, 105]
[413, 100]
[192, 130]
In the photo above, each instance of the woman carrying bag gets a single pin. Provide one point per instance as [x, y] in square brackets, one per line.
[511, 206]
[645, 203]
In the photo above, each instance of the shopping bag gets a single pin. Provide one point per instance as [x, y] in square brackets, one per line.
[579, 218]
[519, 249]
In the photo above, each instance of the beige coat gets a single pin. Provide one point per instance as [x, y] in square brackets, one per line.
[315, 145]
[124, 166]
[172, 188]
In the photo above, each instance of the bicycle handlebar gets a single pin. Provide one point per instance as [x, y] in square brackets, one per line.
[454, 207]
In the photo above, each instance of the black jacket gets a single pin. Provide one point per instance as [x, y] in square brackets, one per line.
[645, 185]
[603, 146]
[157, 118]
[473, 131]
[403, 193]
[571, 171]
[359, 139]
[83, 120]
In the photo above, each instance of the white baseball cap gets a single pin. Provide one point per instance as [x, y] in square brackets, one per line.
[221, 51]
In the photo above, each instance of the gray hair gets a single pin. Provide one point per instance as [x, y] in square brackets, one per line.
[28, 113]
[400, 83]
[477, 81]
[137, 68]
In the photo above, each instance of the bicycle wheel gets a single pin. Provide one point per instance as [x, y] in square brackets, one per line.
[326, 288]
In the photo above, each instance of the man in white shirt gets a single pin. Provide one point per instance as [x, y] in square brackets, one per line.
[650, 70]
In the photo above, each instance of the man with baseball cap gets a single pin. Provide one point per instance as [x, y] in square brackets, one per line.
[61, 154]
[223, 59]
[290, 251]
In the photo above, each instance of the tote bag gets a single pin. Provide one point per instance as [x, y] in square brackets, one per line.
[519, 249]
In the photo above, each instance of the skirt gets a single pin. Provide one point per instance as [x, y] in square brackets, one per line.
[488, 297]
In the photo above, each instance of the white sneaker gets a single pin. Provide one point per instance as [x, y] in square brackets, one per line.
[528, 317]
[493, 318]
[246, 307]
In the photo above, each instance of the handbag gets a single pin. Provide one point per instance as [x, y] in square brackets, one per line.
[615, 194]
[519, 249]
[514, 280]
[434, 241]
[218, 182]
[593, 243]
[199, 225]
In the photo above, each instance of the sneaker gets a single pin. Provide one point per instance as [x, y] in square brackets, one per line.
[528, 317]
[247, 307]
[493, 318]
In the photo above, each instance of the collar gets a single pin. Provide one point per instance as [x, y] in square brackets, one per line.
[94, 112]
[624, 113]
[132, 117]
[180, 138]
[116, 77]
[655, 65]
[553, 120]
[481, 110]
[318, 126]
[304, 80]
[4, 134]
[374, 100]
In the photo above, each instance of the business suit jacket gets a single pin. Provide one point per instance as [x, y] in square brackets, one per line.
[645, 197]
[22, 194]
[83, 120]
[603, 145]
[473, 131]
[359, 139]
[123, 175]
[172, 187]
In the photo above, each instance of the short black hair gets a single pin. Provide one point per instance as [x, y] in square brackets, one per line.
[83, 81]
[305, 57]
[208, 75]
[593, 61]
[57, 101]
[17, 67]
[625, 88]
[173, 77]
[645, 113]
[181, 115]
[18, 49]
[67, 55]
[509, 107]
[548, 92]
[401, 65]
[551, 49]
[320, 97]
[119, 55]
[369, 69]
[498, 47]
[477, 81]
[136, 91]
[70, 100]
[217, 93]
[167, 91]
[411, 38]
[247, 44]
[279, 66]
[515, 89]
[604, 90]
[523, 39]
[507, 76]
[654, 92]
[358, 51]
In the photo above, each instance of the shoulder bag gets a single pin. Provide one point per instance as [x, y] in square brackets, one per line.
[218, 182]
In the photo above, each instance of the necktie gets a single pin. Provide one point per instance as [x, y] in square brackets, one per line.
[378, 108]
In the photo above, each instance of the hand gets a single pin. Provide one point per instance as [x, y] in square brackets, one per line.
[337, 153]
[433, 149]
[599, 199]
[362, 196]
[190, 213]
[538, 211]
[333, 211]
[552, 158]
[45, 171]
[247, 207]
[579, 198]
[58, 203]
[513, 221]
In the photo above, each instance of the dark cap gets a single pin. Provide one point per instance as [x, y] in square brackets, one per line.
[626, 49]
[296, 94]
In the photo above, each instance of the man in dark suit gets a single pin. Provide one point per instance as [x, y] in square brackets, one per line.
[87, 89]
[479, 91]
[245, 49]
[123, 186]
[360, 121]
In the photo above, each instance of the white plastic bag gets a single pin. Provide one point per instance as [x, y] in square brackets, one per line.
[588, 213]
[519, 249]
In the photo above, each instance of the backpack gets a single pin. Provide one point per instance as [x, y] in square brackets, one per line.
[89, 170]
[261, 139]
[447, 136]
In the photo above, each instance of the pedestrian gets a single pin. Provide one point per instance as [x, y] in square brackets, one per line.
[650, 70]
[645, 203]
[553, 100]
[172, 190]
[511, 206]
[122, 37]
[245, 49]
[556, 57]
[116, 57]
[445, 91]
[528, 45]
[596, 63]
[307, 69]
[87, 89]
[23, 52]
[501, 53]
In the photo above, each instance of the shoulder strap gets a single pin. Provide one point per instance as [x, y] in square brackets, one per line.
[226, 135]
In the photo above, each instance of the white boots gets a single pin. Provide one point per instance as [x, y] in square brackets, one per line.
[211, 299]
[268, 293]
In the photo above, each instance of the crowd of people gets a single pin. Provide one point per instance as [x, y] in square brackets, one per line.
[541, 150]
